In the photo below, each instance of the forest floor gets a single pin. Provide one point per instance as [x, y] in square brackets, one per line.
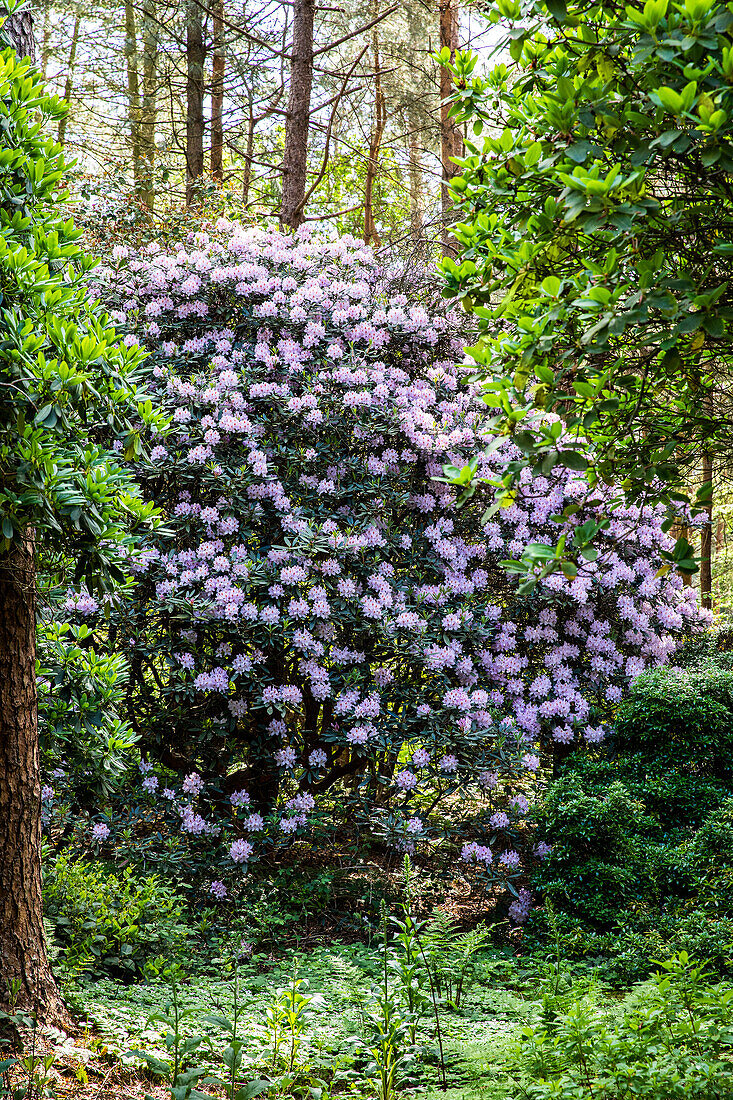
[480, 1037]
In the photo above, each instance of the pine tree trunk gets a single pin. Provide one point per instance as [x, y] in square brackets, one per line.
[22, 948]
[148, 114]
[69, 85]
[417, 209]
[195, 58]
[46, 41]
[297, 118]
[706, 541]
[217, 95]
[133, 88]
[18, 29]
[249, 153]
[371, 236]
[451, 140]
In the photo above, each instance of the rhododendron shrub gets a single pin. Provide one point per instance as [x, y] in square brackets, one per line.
[317, 614]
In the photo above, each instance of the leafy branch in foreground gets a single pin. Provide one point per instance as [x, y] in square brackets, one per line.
[596, 234]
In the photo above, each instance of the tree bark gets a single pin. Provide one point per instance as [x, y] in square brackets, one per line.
[371, 236]
[217, 95]
[706, 541]
[297, 116]
[46, 41]
[195, 58]
[148, 115]
[417, 209]
[69, 84]
[249, 152]
[18, 29]
[23, 955]
[133, 88]
[22, 948]
[451, 140]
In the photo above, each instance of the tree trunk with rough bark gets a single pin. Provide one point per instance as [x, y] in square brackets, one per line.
[371, 236]
[195, 87]
[23, 955]
[18, 29]
[417, 206]
[297, 118]
[249, 152]
[451, 139]
[133, 88]
[45, 41]
[69, 84]
[706, 540]
[217, 95]
[148, 114]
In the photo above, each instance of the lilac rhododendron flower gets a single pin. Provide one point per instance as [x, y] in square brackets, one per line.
[240, 851]
[479, 853]
[315, 582]
[193, 784]
[520, 907]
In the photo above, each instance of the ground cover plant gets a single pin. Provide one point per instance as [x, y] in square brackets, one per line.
[524, 1028]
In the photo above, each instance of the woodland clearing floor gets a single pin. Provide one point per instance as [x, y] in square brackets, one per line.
[478, 1037]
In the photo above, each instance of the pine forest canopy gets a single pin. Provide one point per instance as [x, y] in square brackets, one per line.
[337, 104]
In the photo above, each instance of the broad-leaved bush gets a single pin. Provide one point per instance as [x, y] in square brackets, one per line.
[316, 614]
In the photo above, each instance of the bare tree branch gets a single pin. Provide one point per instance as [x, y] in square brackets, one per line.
[353, 34]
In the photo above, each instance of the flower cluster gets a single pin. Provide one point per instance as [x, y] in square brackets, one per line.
[316, 595]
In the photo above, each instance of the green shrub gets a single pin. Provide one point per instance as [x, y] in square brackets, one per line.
[629, 951]
[682, 717]
[80, 696]
[713, 842]
[675, 797]
[592, 870]
[710, 851]
[109, 919]
[642, 830]
[674, 1040]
